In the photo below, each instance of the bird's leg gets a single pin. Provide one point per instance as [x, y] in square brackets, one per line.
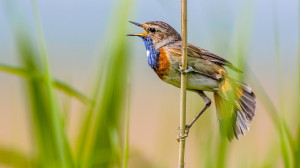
[207, 102]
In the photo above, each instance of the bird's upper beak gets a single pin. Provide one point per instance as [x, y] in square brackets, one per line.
[139, 34]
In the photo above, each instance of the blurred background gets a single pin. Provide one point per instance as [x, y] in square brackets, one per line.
[76, 92]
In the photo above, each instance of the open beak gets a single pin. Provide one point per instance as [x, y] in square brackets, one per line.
[139, 34]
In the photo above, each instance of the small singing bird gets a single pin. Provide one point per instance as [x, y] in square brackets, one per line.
[235, 101]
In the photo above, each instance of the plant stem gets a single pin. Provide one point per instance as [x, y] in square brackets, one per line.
[126, 138]
[183, 83]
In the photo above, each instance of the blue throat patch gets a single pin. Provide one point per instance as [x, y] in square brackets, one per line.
[153, 57]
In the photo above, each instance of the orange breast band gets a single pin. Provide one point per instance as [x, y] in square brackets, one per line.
[164, 64]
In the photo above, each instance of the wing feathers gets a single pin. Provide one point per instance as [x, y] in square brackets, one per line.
[194, 51]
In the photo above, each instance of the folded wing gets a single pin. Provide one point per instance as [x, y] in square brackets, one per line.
[194, 51]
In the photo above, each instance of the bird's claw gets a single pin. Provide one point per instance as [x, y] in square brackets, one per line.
[186, 133]
[189, 69]
[181, 138]
[187, 129]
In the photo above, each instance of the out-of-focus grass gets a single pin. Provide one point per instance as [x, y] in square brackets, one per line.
[100, 141]
[283, 130]
[101, 145]
[60, 85]
[40, 110]
[63, 153]
[126, 131]
[277, 121]
[287, 143]
[286, 139]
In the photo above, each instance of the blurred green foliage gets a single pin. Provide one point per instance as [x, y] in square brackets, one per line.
[99, 144]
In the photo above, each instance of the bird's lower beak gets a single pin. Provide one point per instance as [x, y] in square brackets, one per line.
[139, 34]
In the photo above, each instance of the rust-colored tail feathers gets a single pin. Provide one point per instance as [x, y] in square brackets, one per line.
[235, 104]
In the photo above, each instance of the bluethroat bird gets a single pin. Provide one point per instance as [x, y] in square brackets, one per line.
[235, 101]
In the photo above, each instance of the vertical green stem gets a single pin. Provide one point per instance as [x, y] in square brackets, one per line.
[183, 82]
[126, 139]
[55, 116]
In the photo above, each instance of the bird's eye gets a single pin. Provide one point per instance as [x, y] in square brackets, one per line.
[152, 30]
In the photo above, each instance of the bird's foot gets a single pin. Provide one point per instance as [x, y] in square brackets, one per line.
[186, 133]
[189, 69]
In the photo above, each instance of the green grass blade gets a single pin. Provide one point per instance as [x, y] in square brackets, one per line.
[38, 100]
[65, 88]
[126, 131]
[277, 121]
[63, 153]
[85, 130]
[297, 149]
[103, 147]
[71, 91]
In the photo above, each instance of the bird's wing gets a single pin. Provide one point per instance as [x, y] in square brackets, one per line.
[194, 51]
[196, 64]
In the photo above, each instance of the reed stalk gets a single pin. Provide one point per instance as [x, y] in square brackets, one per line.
[183, 83]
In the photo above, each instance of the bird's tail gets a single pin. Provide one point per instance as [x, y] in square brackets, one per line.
[235, 104]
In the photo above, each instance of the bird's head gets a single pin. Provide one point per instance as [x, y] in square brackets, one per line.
[160, 33]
